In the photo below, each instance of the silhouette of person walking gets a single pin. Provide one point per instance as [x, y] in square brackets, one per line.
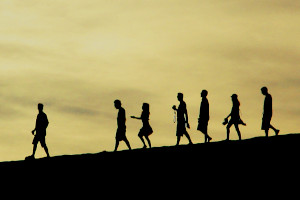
[267, 113]
[121, 130]
[146, 130]
[204, 116]
[235, 118]
[40, 129]
[182, 119]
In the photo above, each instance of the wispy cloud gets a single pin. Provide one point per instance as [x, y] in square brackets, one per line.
[78, 57]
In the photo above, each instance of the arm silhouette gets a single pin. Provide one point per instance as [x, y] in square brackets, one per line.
[187, 119]
[174, 108]
[133, 117]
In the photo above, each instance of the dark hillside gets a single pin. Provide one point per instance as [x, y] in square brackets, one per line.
[256, 167]
[280, 150]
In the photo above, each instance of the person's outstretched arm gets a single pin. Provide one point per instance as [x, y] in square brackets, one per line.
[133, 117]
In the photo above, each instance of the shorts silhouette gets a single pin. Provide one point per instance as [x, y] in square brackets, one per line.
[121, 133]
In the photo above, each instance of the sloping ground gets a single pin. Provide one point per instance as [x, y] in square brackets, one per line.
[256, 167]
[259, 150]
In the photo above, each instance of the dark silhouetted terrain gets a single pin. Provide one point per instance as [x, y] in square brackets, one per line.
[256, 166]
[250, 154]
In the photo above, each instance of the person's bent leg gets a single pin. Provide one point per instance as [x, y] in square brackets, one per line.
[238, 131]
[142, 139]
[148, 140]
[274, 129]
[228, 129]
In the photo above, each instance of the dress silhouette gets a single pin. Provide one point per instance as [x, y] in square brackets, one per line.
[146, 130]
[267, 113]
[41, 125]
[121, 121]
[182, 120]
[204, 116]
[235, 118]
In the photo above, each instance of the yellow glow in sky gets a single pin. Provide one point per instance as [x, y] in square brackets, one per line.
[78, 57]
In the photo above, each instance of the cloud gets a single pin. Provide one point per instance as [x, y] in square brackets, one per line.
[78, 57]
[78, 110]
[276, 55]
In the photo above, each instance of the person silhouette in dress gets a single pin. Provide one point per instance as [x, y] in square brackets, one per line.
[146, 130]
[267, 113]
[121, 121]
[182, 120]
[204, 116]
[41, 125]
[235, 118]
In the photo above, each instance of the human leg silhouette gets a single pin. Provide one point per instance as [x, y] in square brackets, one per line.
[207, 138]
[228, 129]
[238, 130]
[274, 129]
[46, 150]
[34, 149]
[125, 140]
[116, 145]
[43, 144]
[148, 140]
[127, 143]
[267, 132]
[178, 140]
[141, 137]
[188, 137]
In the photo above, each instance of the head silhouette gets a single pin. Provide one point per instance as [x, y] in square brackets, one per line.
[235, 100]
[264, 90]
[234, 96]
[180, 96]
[40, 107]
[145, 107]
[117, 103]
[204, 93]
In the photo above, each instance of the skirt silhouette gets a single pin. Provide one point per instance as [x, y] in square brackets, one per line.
[146, 130]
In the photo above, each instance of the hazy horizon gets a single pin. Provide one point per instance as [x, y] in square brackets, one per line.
[78, 57]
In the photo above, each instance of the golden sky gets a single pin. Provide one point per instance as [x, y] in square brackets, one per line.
[78, 56]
